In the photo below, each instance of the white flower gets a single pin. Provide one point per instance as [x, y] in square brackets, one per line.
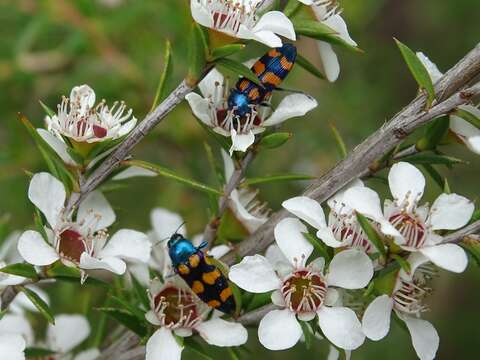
[327, 13]
[16, 324]
[417, 226]
[406, 302]
[68, 332]
[464, 131]
[80, 120]
[212, 110]
[12, 347]
[239, 19]
[82, 243]
[304, 291]
[176, 311]
[343, 229]
[243, 202]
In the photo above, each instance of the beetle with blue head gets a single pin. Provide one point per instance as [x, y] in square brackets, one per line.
[200, 273]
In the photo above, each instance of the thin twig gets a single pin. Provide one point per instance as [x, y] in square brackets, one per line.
[449, 96]
[458, 236]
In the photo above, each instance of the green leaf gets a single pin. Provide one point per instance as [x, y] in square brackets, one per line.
[49, 111]
[319, 246]
[434, 174]
[317, 30]
[41, 305]
[308, 66]
[446, 187]
[292, 7]
[164, 76]
[39, 224]
[233, 354]
[418, 71]
[385, 283]
[237, 295]
[66, 273]
[214, 164]
[191, 344]
[21, 269]
[434, 134]
[226, 50]
[259, 300]
[129, 307]
[342, 148]
[433, 159]
[197, 54]
[126, 319]
[276, 178]
[372, 234]
[307, 334]
[170, 174]
[141, 292]
[237, 68]
[36, 352]
[404, 264]
[468, 116]
[275, 140]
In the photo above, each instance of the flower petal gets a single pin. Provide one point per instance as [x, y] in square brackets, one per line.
[200, 108]
[163, 346]
[12, 347]
[330, 63]
[276, 22]
[450, 212]
[68, 332]
[219, 332]
[96, 210]
[432, 68]
[289, 238]
[228, 165]
[218, 251]
[327, 236]
[211, 83]
[376, 319]
[90, 354]
[350, 269]
[425, 338]
[468, 133]
[166, 222]
[129, 245]
[450, 257]
[113, 264]
[254, 274]
[415, 259]
[279, 330]
[406, 183]
[306, 209]
[133, 171]
[57, 145]
[16, 324]
[337, 23]
[291, 106]
[34, 250]
[241, 142]
[341, 326]
[48, 194]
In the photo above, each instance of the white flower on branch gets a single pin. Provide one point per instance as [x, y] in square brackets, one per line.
[176, 311]
[467, 133]
[406, 301]
[81, 243]
[12, 346]
[343, 228]
[212, 109]
[418, 226]
[304, 291]
[240, 19]
[327, 12]
[17, 324]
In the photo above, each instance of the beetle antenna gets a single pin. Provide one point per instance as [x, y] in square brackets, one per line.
[176, 231]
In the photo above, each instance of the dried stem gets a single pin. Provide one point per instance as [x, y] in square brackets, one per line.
[449, 96]
[458, 236]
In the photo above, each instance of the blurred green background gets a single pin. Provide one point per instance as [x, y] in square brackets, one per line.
[47, 47]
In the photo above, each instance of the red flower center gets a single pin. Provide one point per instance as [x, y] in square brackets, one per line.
[304, 291]
[99, 131]
[411, 228]
[176, 307]
[71, 245]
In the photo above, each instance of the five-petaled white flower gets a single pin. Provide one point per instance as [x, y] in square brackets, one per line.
[212, 110]
[417, 226]
[343, 229]
[304, 291]
[463, 130]
[239, 19]
[81, 243]
[406, 301]
[175, 310]
[327, 13]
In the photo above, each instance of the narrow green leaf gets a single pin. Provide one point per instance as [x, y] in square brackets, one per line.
[126, 319]
[79, 159]
[237, 295]
[191, 344]
[434, 134]
[292, 7]
[372, 234]
[308, 66]
[433, 159]
[197, 54]
[39, 224]
[384, 283]
[404, 264]
[233, 354]
[141, 292]
[307, 334]
[214, 164]
[434, 174]
[36, 352]
[418, 71]
[276, 178]
[319, 246]
[49, 111]
[275, 140]
[237, 68]
[475, 216]
[21, 269]
[446, 187]
[129, 307]
[259, 300]
[164, 76]
[342, 148]
[468, 116]
[226, 50]
[71, 274]
[160, 170]
[41, 305]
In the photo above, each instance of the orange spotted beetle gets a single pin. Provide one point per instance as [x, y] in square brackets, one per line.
[271, 69]
[204, 278]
